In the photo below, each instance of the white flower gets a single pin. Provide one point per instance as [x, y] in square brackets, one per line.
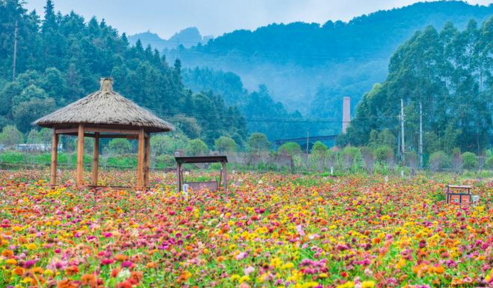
[124, 274]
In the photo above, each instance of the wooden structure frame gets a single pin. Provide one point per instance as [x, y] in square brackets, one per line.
[459, 194]
[82, 131]
[202, 160]
[104, 114]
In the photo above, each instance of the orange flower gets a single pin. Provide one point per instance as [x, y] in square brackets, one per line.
[121, 257]
[151, 265]
[66, 284]
[7, 253]
[72, 270]
[89, 279]
[137, 275]
[19, 271]
[37, 270]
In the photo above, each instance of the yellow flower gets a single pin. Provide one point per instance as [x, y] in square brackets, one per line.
[26, 280]
[244, 279]
[11, 261]
[310, 285]
[323, 275]
[31, 246]
[367, 284]
[48, 272]
[288, 265]
[276, 262]
[348, 284]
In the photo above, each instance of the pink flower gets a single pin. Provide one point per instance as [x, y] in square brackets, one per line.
[127, 264]
[248, 270]
[107, 261]
[241, 255]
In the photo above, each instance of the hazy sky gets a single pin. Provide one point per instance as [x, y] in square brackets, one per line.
[215, 17]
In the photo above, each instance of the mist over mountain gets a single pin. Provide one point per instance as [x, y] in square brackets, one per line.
[187, 37]
[309, 67]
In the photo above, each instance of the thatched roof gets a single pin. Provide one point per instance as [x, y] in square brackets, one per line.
[105, 108]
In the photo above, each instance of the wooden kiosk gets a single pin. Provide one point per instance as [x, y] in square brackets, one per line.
[104, 114]
[212, 186]
[459, 194]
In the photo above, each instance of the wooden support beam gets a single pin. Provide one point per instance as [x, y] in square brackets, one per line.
[80, 156]
[178, 176]
[147, 156]
[54, 155]
[67, 131]
[111, 130]
[225, 177]
[140, 161]
[95, 160]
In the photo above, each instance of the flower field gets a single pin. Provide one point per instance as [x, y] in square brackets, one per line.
[269, 231]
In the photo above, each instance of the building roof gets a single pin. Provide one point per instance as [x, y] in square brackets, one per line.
[105, 108]
[202, 159]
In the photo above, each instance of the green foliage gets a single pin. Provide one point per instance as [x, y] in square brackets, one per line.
[439, 160]
[127, 161]
[258, 142]
[290, 148]
[319, 148]
[290, 58]
[384, 153]
[11, 157]
[257, 104]
[350, 157]
[448, 72]
[165, 161]
[120, 146]
[168, 143]
[225, 144]
[62, 58]
[489, 162]
[11, 136]
[197, 147]
[470, 160]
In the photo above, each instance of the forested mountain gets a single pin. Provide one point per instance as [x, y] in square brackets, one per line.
[262, 113]
[319, 64]
[450, 72]
[62, 58]
[187, 38]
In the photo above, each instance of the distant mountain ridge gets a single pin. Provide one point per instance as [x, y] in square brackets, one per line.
[310, 67]
[187, 37]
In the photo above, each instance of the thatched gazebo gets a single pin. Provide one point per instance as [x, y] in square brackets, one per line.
[104, 114]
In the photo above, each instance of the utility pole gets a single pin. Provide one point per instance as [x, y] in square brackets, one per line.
[15, 49]
[403, 150]
[420, 135]
[307, 141]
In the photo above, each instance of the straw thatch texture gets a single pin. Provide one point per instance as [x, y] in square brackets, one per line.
[105, 108]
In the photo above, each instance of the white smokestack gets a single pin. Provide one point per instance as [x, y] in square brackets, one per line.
[346, 113]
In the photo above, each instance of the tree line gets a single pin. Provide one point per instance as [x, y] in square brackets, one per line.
[61, 59]
[448, 73]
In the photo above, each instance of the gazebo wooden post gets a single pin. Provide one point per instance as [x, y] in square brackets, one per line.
[178, 175]
[80, 156]
[140, 160]
[54, 155]
[224, 176]
[95, 160]
[146, 160]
